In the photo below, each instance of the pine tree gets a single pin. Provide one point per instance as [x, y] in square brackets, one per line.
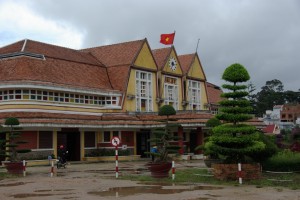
[234, 139]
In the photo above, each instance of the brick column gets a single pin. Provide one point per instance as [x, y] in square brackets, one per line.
[180, 141]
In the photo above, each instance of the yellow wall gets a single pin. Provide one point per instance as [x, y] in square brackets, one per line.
[145, 58]
[166, 68]
[204, 99]
[130, 105]
[23, 105]
[196, 70]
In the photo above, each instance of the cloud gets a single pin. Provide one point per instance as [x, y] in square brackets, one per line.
[18, 22]
[261, 35]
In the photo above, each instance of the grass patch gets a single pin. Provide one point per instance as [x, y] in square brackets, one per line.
[4, 175]
[196, 175]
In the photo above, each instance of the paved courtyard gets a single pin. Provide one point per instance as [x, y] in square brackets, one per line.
[97, 181]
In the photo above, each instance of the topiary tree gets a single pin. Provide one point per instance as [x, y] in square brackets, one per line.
[13, 140]
[235, 140]
[163, 136]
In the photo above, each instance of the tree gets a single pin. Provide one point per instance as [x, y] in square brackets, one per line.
[270, 95]
[13, 141]
[163, 136]
[252, 96]
[235, 140]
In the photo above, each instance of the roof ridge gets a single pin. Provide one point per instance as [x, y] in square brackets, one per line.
[12, 43]
[54, 45]
[161, 48]
[121, 43]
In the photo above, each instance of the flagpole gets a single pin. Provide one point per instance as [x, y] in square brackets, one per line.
[197, 45]
[174, 38]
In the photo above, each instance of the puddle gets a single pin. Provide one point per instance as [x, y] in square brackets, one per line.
[154, 189]
[12, 184]
[26, 195]
[58, 190]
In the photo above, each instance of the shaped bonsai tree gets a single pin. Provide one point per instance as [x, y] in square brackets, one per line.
[13, 141]
[163, 136]
[234, 140]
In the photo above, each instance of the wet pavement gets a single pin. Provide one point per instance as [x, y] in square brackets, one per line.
[98, 181]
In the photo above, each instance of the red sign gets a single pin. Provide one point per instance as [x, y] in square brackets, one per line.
[115, 141]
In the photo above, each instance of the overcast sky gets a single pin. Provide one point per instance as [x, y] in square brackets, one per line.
[262, 35]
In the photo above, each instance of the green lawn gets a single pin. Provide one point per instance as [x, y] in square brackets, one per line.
[195, 175]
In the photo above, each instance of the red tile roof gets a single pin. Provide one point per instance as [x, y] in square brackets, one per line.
[115, 119]
[161, 56]
[61, 66]
[54, 71]
[117, 54]
[186, 61]
[213, 93]
[119, 77]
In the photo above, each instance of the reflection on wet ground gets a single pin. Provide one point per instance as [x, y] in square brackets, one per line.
[12, 184]
[26, 195]
[153, 189]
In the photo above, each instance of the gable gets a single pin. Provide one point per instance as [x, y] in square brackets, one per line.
[145, 58]
[196, 70]
[168, 66]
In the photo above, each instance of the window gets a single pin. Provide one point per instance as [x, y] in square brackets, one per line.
[143, 92]
[194, 95]
[171, 91]
[61, 97]
[89, 139]
[45, 140]
[106, 136]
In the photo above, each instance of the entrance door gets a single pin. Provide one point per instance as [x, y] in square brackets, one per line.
[142, 144]
[71, 141]
[2, 148]
[193, 141]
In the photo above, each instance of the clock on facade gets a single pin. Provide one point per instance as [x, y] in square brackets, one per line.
[172, 63]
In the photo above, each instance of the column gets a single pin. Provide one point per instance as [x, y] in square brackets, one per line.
[54, 142]
[134, 143]
[180, 141]
[81, 145]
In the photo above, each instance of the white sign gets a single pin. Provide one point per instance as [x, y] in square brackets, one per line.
[115, 141]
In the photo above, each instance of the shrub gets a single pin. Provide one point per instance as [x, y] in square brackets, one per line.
[107, 152]
[285, 161]
[270, 149]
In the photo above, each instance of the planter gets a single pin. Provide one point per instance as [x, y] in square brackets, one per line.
[230, 171]
[14, 167]
[159, 170]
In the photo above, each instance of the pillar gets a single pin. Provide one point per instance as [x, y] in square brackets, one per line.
[180, 141]
[134, 143]
[81, 145]
[54, 142]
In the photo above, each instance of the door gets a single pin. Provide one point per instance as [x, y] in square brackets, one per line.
[142, 144]
[70, 139]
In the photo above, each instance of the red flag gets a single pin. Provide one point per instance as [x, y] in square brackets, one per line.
[167, 38]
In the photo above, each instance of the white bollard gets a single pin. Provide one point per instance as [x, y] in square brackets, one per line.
[117, 167]
[24, 168]
[52, 168]
[240, 173]
[173, 170]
